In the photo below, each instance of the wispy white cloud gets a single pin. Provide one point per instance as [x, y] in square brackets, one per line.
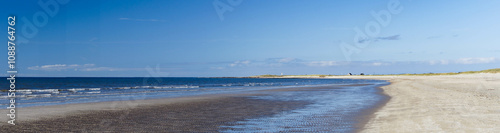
[439, 62]
[322, 63]
[476, 60]
[286, 60]
[77, 67]
[277, 62]
[393, 37]
[60, 67]
[345, 63]
[378, 64]
[240, 63]
[469, 60]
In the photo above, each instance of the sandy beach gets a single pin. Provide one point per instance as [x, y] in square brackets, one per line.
[448, 103]
[451, 103]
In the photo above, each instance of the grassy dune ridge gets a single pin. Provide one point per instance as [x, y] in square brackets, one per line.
[495, 70]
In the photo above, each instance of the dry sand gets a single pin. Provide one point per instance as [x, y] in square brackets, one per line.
[448, 103]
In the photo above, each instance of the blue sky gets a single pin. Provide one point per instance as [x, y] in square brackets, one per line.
[188, 38]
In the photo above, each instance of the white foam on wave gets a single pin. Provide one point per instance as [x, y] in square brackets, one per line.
[123, 88]
[76, 89]
[26, 92]
[45, 90]
[45, 95]
[93, 92]
[39, 95]
[170, 86]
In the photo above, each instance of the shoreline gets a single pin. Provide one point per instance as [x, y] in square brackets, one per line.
[434, 103]
[370, 114]
[227, 109]
[440, 103]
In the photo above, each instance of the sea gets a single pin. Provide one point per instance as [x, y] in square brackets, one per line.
[349, 99]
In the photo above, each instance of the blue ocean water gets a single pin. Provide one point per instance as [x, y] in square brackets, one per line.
[53, 91]
[331, 108]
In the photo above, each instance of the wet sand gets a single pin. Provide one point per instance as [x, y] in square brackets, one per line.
[200, 115]
[208, 113]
